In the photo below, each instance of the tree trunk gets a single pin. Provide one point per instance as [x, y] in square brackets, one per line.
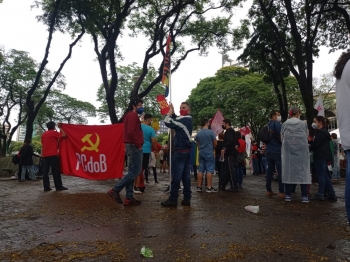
[30, 120]
[111, 109]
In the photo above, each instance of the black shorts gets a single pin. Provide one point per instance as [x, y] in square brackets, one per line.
[165, 158]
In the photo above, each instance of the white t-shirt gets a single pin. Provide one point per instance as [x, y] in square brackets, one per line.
[343, 106]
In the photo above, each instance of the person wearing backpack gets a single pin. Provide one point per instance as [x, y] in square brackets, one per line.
[273, 154]
[26, 161]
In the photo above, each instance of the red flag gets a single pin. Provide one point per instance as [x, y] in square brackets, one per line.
[245, 130]
[92, 152]
[163, 104]
[216, 122]
[166, 67]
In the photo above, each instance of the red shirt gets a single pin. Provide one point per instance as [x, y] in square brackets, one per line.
[49, 140]
[132, 129]
[254, 151]
[242, 146]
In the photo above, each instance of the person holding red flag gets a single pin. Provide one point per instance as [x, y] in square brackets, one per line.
[133, 139]
[49, 140]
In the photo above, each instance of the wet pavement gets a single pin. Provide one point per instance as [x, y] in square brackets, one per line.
[84, 224]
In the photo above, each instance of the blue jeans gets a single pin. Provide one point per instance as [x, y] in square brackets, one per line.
[30, 172]
[255, 165]
[180, 170]
[322, 175]
[274, 162]
[206, 162]
[303, 188]
[239, 173]
[264, 162]
[347, 184]
[134, 168]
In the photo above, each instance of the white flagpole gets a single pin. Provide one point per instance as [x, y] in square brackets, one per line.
[170, 142]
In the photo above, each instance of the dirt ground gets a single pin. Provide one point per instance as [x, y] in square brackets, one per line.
[84, 224]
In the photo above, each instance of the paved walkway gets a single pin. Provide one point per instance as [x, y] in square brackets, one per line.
[84, 224]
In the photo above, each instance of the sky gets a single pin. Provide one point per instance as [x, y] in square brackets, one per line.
[20, 30]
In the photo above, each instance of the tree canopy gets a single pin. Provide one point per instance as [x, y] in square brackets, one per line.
[185, 21]
[288, 34]
[127, 75]
[242, 96]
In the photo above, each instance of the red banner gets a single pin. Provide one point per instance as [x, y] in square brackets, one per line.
[163, 104]
[216, 123]
[92, 152]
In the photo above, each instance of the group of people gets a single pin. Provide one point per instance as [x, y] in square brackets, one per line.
[49, 158]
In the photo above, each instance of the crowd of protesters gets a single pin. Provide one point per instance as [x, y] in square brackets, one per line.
[285, 157]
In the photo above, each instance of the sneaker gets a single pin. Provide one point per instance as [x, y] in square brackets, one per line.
[318, 197]
[115, 196]
[147, 182]
[199, 189]
[305, 199]
[156, 182]
[239, 185]
[281, 195]
[186, 202]
[47, 189]
[169, 203]
[137, 190]
[270, 193]
[211, 190]
[132, 201]
[287, 198]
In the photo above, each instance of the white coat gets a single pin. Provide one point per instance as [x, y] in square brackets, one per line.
[295, 152]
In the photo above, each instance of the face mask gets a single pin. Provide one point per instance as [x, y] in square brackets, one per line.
[314, 125]
[183, 112]
[223, 127]
[279, 119]
[139, 110]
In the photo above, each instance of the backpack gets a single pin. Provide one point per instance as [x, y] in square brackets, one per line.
[265, 134]
[241, 157]
[15, 159]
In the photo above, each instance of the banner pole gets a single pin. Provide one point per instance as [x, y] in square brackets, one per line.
[170, 136]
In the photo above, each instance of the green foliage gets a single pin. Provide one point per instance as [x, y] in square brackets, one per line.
[36, 144]
[244, 97]
[63, 108]
[127, 75]
[286, 36]
[162, 138]
[194, 26]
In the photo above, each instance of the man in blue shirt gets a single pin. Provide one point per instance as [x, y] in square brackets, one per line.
[149, 137]
[206, 141]
[273, 154]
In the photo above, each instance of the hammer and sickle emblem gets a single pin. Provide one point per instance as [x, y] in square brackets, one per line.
[93, 146]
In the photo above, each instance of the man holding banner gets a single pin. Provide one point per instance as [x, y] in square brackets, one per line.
[133, 139]
[180, 162]
[49, 140]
